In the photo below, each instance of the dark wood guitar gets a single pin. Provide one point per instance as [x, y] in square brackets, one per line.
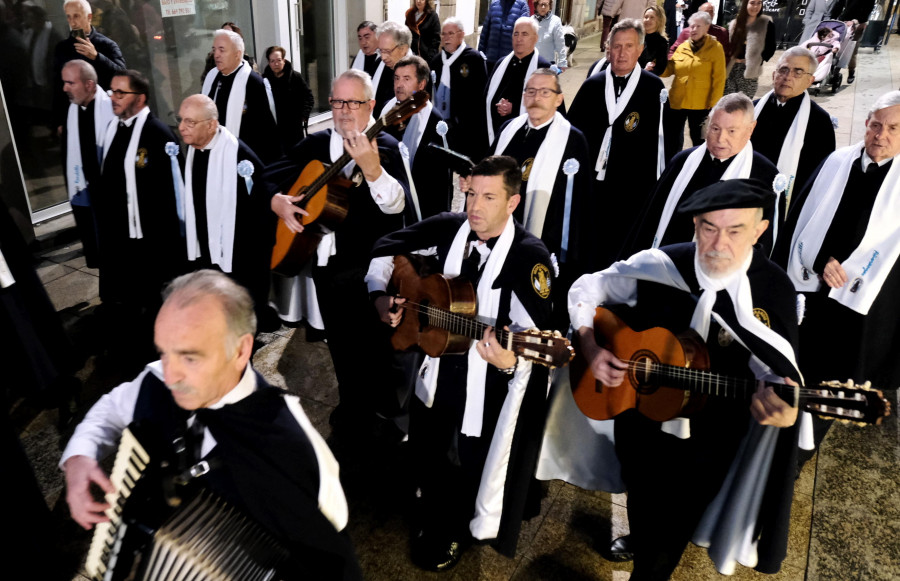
[326, 197]
[668, 377]
[440, 318]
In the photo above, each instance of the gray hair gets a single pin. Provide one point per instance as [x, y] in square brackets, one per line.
[236, 41]
[361, 77]
[399, 32]
[546, 73]
[530, 22]
[85, 5]
[208, 105]
[629, 24]
[86, 71]
[455, 22]
[734, 102]
[891, 99]
[799, 51]
[237, 306]
[700, 16]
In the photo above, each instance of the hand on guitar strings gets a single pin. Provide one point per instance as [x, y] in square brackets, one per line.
[606, 367]
[834, 276]
[770, 410]
[389, 310]
[493, 352]
[284, 206]
[364, 153]
[81, 471]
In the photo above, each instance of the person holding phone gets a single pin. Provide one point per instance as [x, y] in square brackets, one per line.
[84, 43]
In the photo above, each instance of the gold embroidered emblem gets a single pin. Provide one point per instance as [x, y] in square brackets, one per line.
[631, 122]
[762, 316]
[725, 338]
[464, 70]
[540, 280]
[526, 168]
[140, 160]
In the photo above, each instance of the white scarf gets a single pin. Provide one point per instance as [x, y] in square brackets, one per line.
[495, 84]
[544, 170]
[789, 157]
[870, 264]
[359, 63]
[449, 60]
[6, 276]
[613, 110]
[134, 211]
[103, 114]
[488, 307]
[234, 111]
[738, 169]
[598, 67]
[221, 200]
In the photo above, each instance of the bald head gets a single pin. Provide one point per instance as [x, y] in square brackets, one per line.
[198, 121]
[79, 82]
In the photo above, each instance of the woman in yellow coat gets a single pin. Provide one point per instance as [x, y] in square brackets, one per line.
[699, 68]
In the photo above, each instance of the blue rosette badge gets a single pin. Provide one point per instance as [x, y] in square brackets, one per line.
[172, 150]
[245, 170]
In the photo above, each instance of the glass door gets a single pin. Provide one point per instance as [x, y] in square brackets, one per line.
[312, 47]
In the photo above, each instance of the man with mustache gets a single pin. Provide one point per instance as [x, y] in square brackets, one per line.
[743, 307]
[259, 448]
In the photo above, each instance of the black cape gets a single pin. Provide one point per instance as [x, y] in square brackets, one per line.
[624, 191]
[258, 128]
[468, 77]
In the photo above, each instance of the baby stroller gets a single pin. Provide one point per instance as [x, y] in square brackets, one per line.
[832, 76]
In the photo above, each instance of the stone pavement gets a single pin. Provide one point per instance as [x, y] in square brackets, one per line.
[846, 512]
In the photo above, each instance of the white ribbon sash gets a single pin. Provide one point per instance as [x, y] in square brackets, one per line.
[495, 84]
[134, 211]
[613, 110]
[103, 114]
[789, 157]
[234, 110]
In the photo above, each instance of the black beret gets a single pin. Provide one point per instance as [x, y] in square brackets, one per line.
[741, 193]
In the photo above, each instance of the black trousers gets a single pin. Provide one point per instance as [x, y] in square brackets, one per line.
[358, 341]
[673, 121]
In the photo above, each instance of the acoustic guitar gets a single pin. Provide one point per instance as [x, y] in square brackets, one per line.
[327, 197]
[668, 377]
[440, 318]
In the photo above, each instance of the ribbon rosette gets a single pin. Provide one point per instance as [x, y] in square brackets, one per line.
[780, 183]
[570, 168]
[663, 95]
[172, 150]
[245, 170]
[442, 128]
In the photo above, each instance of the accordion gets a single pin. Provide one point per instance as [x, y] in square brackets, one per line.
[203, 538]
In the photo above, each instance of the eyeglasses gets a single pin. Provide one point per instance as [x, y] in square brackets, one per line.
[121, 94]
[796, 73]
[386, 50]
[545, 93]
[188, 122]
[352, 105]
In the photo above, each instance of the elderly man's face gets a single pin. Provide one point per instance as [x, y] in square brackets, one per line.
[197, 128]
[198, 366]
[524, 40]
[540, 106]
[785, 84]
[406, 83]
[624, 50]
[77, 18]
[226, 55]
[347, 119]
[390, 51]
[367, 41]
[883, 133]
[709, 9]
[728, 133]
[451, 37]
[725, 238]
[79, 92]
[698, 29]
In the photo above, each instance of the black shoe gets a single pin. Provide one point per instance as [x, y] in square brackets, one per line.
[851, 77]
[620, 550]
[436, 552]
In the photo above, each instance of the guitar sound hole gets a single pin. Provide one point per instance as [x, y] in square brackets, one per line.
[641, 372]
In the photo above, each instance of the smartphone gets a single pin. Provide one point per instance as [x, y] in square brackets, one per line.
[77, 33]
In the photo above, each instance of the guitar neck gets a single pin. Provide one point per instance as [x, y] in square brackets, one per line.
[465, 326]
[710, 383]
[337, 166]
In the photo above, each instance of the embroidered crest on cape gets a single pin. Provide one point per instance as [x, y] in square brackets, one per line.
[140, 159]
[540, 280]
[464, 70]
[631, 122]
[762, 316]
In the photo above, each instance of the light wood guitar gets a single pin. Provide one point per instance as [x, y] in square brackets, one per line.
[668, 377]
